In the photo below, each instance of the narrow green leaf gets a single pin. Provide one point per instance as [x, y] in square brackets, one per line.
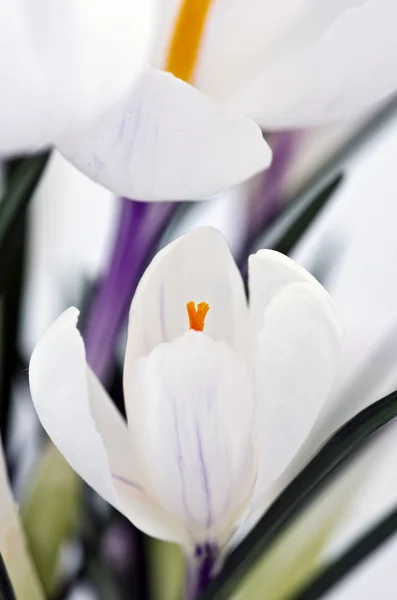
[24, 177]
[295, 231]
[166, 569]
[50, 513]
[6, 591]
[331, 574]
[338, 162]
[334, 455]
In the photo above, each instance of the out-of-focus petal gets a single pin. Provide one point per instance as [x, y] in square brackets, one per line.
[269, 273]
[63, 62]
[167, 141]
[197, 267]
[190, 415]
[79, 417]
[326, 72]
[298, 351]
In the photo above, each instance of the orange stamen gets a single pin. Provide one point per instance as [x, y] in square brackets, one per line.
[197, 315]
[185, 43]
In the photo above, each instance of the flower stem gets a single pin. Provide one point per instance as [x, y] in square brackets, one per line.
[140, 227]
[199, 569]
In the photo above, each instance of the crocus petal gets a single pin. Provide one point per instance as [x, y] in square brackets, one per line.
[326, 69]
[167, 141]
[298, 351]
[269, 273]
[190, 415]
[195, 267]
[63, 62]
[79, 417]
[59, 388]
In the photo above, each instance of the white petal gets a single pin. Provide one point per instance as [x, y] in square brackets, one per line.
[167, 141]
[195, 267]
[64, 62]
[190, 414]
[341, 58]
[269, 273]
[59, 390]
[79, 417]
[298, 351]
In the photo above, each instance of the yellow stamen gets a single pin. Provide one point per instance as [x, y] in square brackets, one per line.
[197, 315]
[185, 43]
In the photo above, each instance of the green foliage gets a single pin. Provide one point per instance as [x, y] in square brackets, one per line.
[50, 513]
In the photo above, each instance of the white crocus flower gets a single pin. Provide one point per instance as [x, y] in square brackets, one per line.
[74, 75]
[219, 396]
[290, 64]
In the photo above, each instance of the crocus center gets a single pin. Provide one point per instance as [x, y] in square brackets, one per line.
[185, 43]
[197, 315]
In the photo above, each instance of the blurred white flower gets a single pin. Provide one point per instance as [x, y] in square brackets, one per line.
[62, 63]
[288, 64]
[215, 412]
[74, 76]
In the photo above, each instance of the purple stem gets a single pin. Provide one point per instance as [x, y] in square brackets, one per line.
[140, 227]
[266, 203]
[199, 569]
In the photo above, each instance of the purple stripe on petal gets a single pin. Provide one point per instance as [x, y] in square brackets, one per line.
[180, 464]
[204, 477]
[140, 227]
[126, 481]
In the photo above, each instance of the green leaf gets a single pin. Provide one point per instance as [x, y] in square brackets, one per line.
[22, 182]
[331, 574]
[20, 569]
[321, 180]
[295, 231]
[6, 591]
[166, 569]
[335, 454]
[50, 513]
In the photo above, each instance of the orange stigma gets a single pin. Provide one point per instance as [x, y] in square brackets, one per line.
[197, 315]
[185, 43]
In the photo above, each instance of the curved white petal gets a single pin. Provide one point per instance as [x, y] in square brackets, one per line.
[327, 72]
[82, 422]
[167, 141]
[197, 267]
[269, 273]
[63, 62]
[298, 351]
[190, 415]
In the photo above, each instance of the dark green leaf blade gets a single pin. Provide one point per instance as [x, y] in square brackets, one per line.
[299, 227]
[332, 573]
[6, 591]
[335, 454]
[24, 177]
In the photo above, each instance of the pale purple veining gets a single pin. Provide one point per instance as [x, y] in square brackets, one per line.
[140, 227]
